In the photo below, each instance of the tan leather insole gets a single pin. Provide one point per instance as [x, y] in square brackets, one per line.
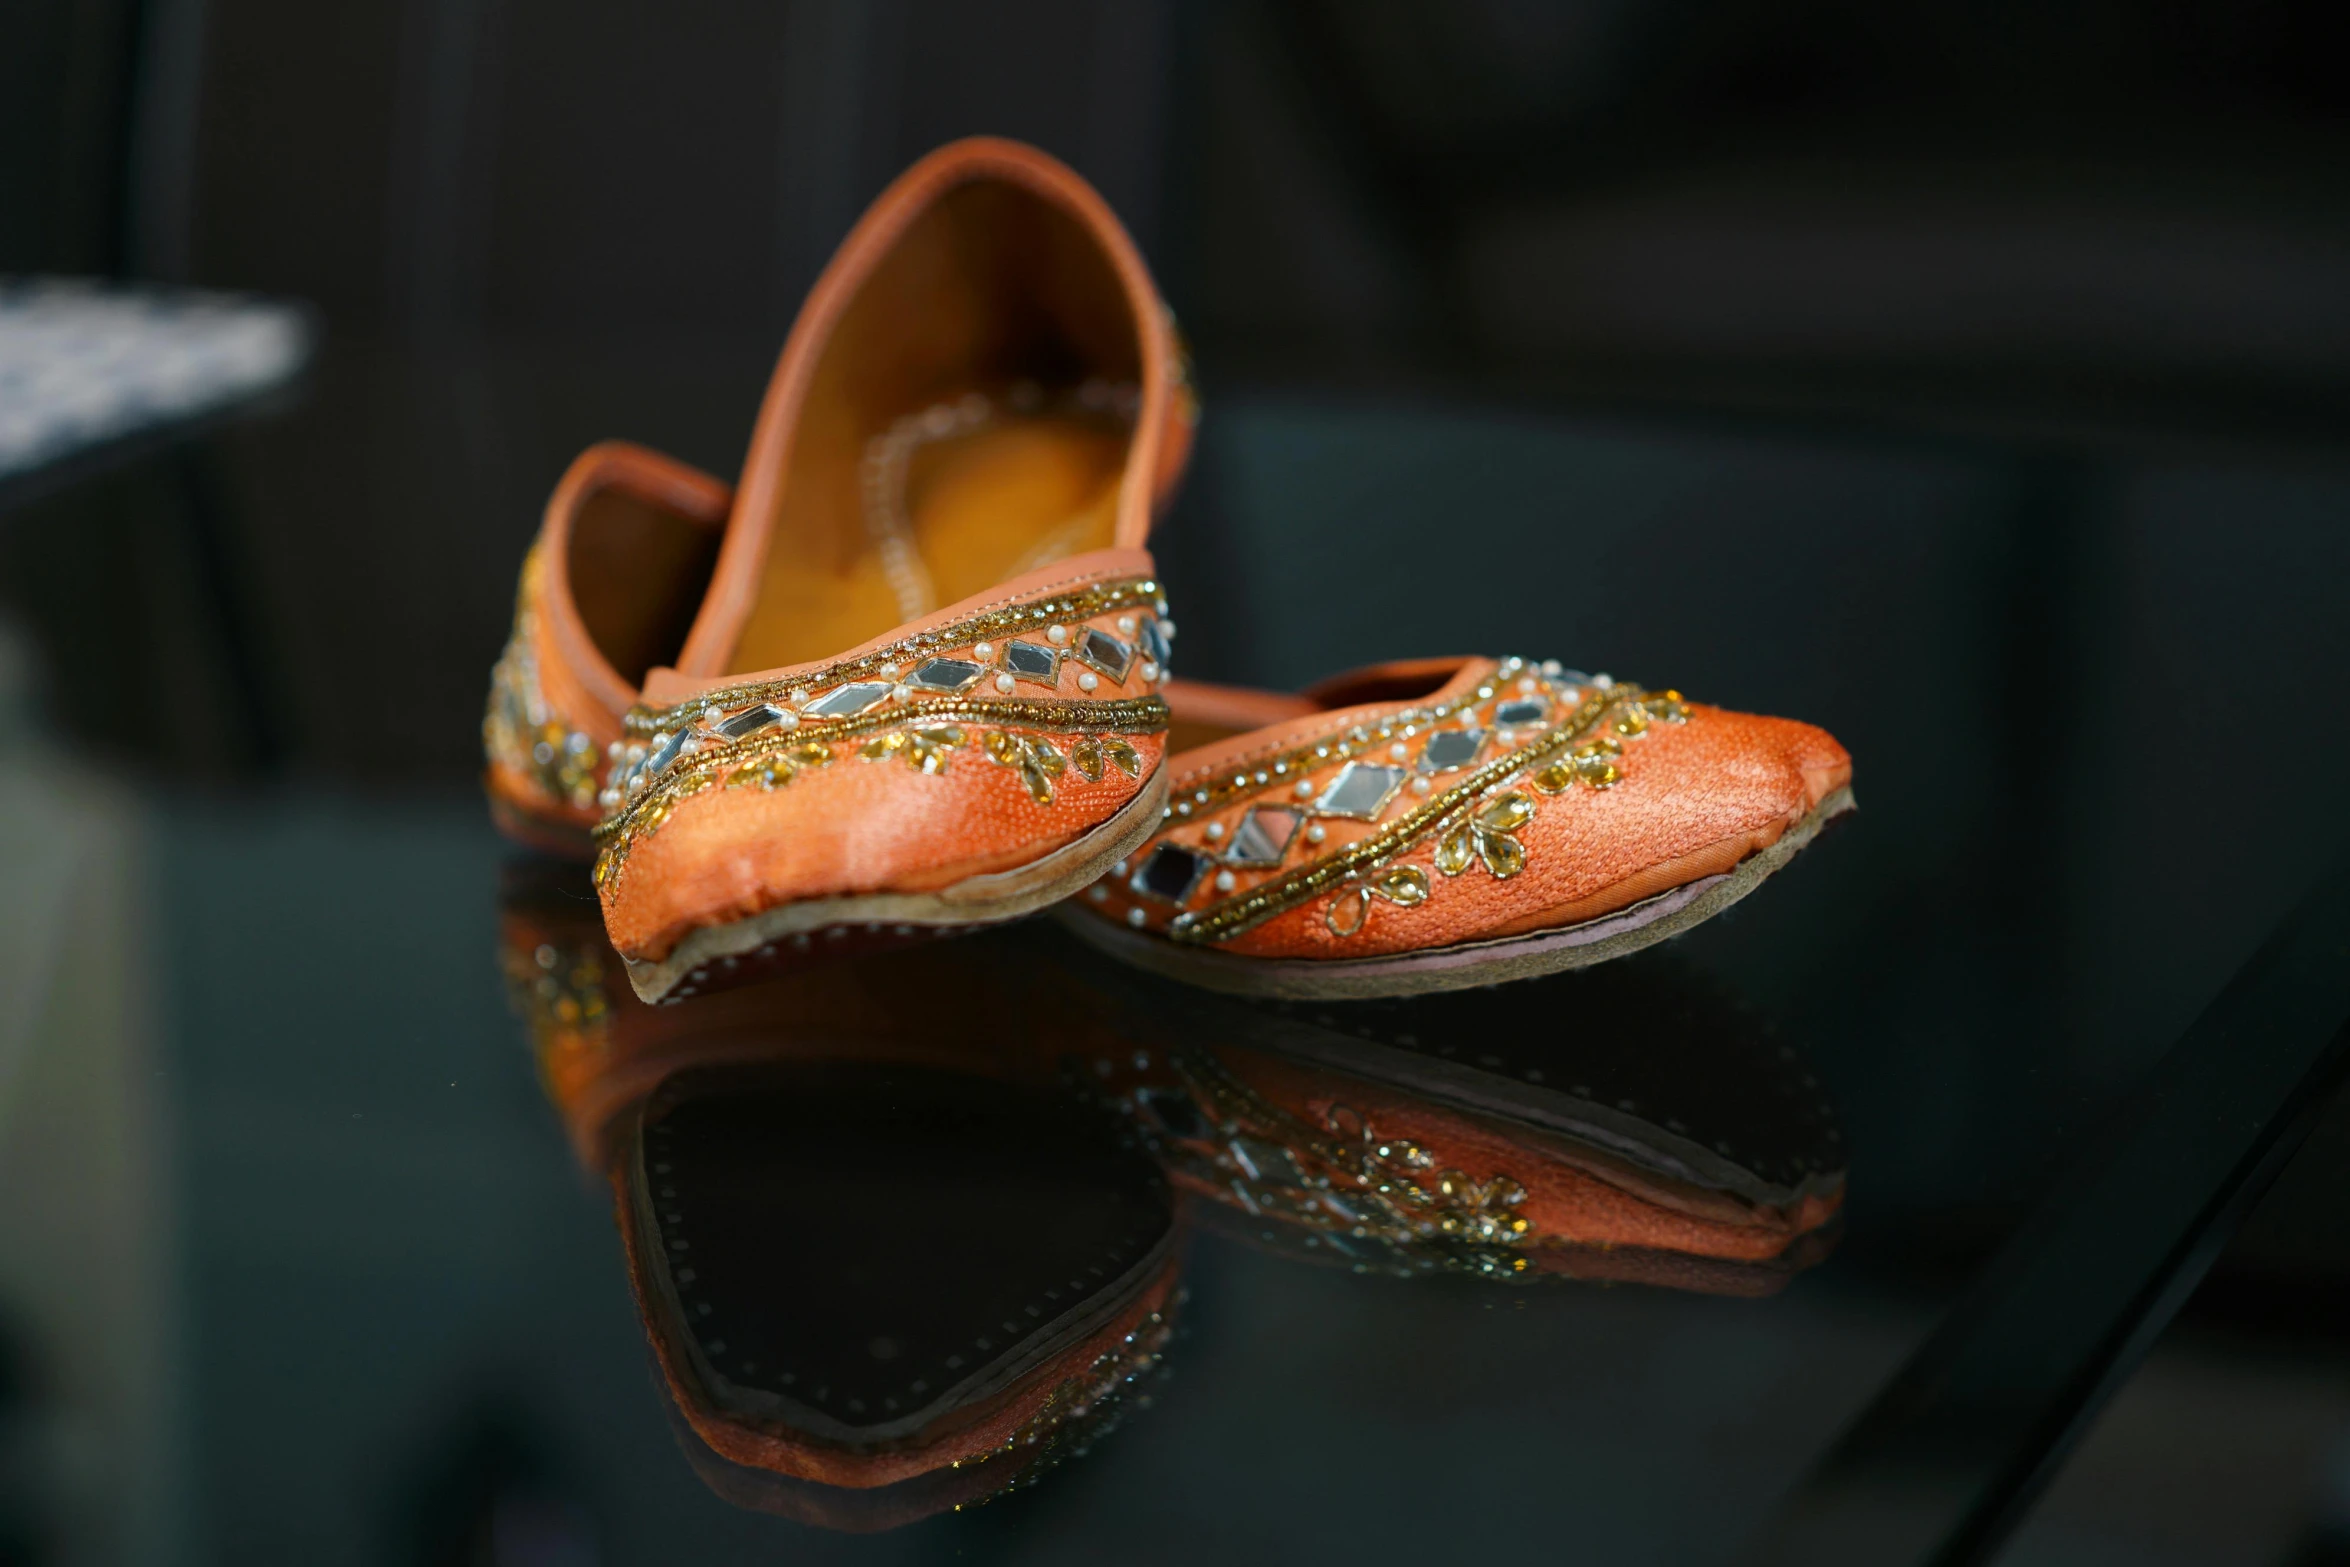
[979, 508]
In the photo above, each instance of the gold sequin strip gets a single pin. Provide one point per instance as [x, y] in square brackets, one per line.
[1269, 899]
[519, 728]
[993, 625]
[618, 835]
[1133, 715]
[1338, 745]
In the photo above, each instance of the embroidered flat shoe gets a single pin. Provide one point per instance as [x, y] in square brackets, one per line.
[608, 589]
[923, 687]
[1445, 823]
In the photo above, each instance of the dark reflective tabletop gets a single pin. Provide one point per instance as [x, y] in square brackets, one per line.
[357, 1199]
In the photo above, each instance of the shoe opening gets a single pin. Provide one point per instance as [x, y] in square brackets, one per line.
[968, 419]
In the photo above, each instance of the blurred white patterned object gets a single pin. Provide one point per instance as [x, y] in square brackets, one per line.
[84, 363]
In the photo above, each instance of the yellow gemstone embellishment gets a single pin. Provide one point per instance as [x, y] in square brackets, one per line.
[1488, 835]
[1091, 752]
[924, 749]
[1406, 887]
[772, 771]
[1037, 762]
[1594, 764]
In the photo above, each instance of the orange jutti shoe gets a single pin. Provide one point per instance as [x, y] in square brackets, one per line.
[923, 689]
[1446, 823]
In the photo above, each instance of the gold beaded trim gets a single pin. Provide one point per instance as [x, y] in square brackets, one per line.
[774, 756]
[1101, 598]
[1339, 745]
[519, 729]
[1624, 707]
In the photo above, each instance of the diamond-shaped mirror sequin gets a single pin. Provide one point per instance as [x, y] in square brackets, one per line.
[1033, 662]
[664, 754]
[1170, 875]
[1450, 749]
[1262, 837]
[749, 721]
[946, 676]
[1361, 790]
[1104, 652]
[849, 700]
[1521, 711]
[1156, 644]
[1267, 1162]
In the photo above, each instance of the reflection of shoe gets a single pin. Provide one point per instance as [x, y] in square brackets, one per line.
[1453, 822]
[923, 686]
[862, 1274]
[618, 570]
[884, 1270]
[1655, 1132]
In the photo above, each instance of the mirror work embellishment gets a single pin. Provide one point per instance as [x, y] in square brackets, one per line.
[1572, 727]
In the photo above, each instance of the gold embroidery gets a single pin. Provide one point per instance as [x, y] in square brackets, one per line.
[519, 729]
[993, 625]
[1441, 814]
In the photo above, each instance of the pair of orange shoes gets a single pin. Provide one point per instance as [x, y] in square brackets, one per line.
[913, 673]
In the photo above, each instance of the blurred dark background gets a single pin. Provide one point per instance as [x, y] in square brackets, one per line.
[1973, 379]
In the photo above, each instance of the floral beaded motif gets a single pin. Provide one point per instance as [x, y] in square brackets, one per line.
[1557, 729]
[918, 701]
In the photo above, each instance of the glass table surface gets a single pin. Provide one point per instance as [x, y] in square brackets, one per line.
[345, 1161]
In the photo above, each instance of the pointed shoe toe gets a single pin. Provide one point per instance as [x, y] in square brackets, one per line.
[1451, 823]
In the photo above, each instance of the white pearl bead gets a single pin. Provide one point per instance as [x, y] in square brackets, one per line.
[1215, 831]
[1003, 682]
[984, 650]
[1420, 786]
[1150, 671]
[1316, 833]
[1135, 917]
[1057, 634]
[1305, 787]
[1126, 624]
[1399, 752]
[1088, 680]
[1225, 881]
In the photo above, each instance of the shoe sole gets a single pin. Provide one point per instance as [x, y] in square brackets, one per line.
[1469, 964]
[977, 900]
